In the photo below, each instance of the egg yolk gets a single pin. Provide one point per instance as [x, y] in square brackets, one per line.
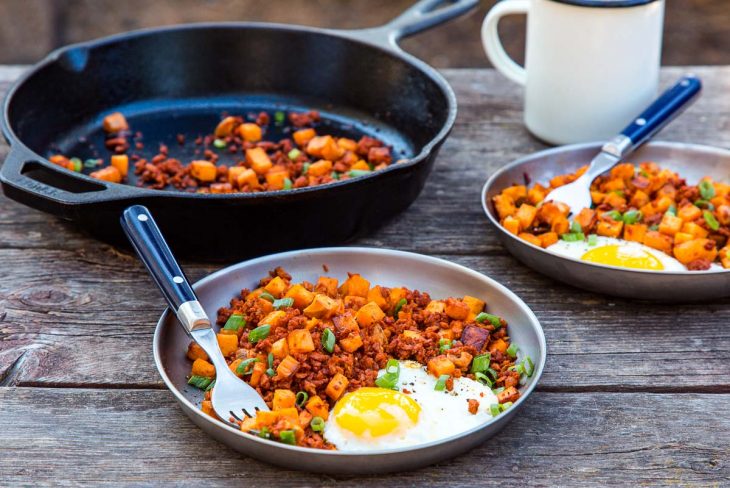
[615, 255]
[376, 410]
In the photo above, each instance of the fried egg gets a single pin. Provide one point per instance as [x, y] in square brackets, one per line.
[379, 418]
[620, 253]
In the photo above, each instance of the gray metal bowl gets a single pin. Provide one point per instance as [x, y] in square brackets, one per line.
[439, 278]
[691, 161]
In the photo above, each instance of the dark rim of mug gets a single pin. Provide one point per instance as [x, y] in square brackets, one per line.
[606, 3]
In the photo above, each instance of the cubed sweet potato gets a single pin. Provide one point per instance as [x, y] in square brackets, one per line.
[250, 132]
[510, 394]
[526, 215]
[694, 230]
[301, 296]
[586, 218]
[327, 285]
[320, 168]
[303, 136]
[456, 309]
[322, 307]
[114, 122]
[498, 345]
[560, 225]
[247, 177]
[201, 367]
[670, 224]
[657, 240]
[475, 305]
[609, 228]
[695, 249]
[287, 367]
[336, 387]
[299, 341]
[257, 373]
[276, 287]
[369, 314]
[273, 319]
[352, 342]
[440, 365]
[376, 295]
[355, 285]
[121, 162]
[228, 344]
[258, 160]
[283, 399]
[511, 225]
[317, 407]
[504, 205]
[225, 127]
[689, 212]
[548, 239]
[531, 238]
[196, 352]
[436, 306]
[635, 232]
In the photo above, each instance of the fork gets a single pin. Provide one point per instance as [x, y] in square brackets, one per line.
[231, 396]
[662, 111]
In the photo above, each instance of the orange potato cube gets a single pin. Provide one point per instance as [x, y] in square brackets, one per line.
[336, 386]
[526, 215]
[201, 367]
[322, 307]
[395, 296]
[548, 239]
[273, 319]
[597, 197]
[250, 132]
[689, 212]
[354, 302]
[225, 127]
[121, 162]
[203, 170]
[511, 225]
[351, 343]
[613, 185]
[320, 168]
[318, 407]
[615, 200]
[376, 295]
[657, 240]
[258, 160]
[196, 352]
[303, 136]
[328, 285]
[287, 367]
[317, 145]
[332, 151]
[233, 173]
[207, 407]
[347, 144]
[695, 249]
[498, 345]
[283, 399]
[247, 177]
[441, 365]
[681, 237]
[531, 238]
[722, 212]
[639, 199]
[114, 122]
[300, 341]
[355, 285]
[695, 230]
[536, 194]
[475, 305]
[725, 256]
[456, 309]
[301, 296]
[516, 192]
[436, 306]
[362, 165]
[228, 344]
[276, 179]
[560, 226]
[276, 286]
[623, 171]
[670, 224]
[280, 348]
[586, 219]
[509, 394]
[609, 228]
[635, 232]
[504, 205]
[257, 373]
[110, 173]
[369, 314]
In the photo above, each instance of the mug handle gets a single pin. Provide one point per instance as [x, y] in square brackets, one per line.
[493, 46]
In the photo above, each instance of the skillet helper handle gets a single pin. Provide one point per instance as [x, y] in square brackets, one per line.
[426, 14]
[664, 109]
[147, 240]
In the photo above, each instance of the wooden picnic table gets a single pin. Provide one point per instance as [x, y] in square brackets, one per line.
[634, 393]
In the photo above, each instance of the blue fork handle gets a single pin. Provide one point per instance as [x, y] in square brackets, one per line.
[663, 110]
[154, 252]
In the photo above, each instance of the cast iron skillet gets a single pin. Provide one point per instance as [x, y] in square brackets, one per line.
[180, 79]
[691, 161]
[390, 268]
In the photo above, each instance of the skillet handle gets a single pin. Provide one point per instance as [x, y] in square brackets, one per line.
[419, 17]
[147, 240]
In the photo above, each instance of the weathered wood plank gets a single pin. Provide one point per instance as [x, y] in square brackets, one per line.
[54, 437]
[87, 317]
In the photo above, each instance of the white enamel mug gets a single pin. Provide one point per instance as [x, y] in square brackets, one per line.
[590, 65]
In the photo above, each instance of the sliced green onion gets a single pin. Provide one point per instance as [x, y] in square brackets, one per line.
[592, 239]
[493, 373]
[494, 409]
[210, 386]
[498, 390]
[480, 363]
[328, 340]
[505, 406]
[317, 424]
[267, 296]
[335, 175]
[707, 190]
[301, 398]
[219, 143]
[279, 117]
[575, 227]
[270, 372]
[614, 214]
[704, 204]
[283, 303]
[712, 222]
[644, 174]
[672, 210]
[305, 168]
[389, 379]
[482, 378]
[294, 154]
[246, 366]
[493, 319]
[78, 165]
[235, 322]
[288, 437]
[92, 163]
[270, 360]
[512, 350]
[264, 432]
[619, 193]
[632, 216]
[259, 333]
[444, 345]
[573, 237]
[528, 366]
[519, 367]
[398, 307]
[654, 227]
[441, 383]
[354, 173]
[200, 381]
[287, 184]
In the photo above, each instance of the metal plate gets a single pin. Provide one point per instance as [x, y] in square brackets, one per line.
[439, 278]
[692, 162]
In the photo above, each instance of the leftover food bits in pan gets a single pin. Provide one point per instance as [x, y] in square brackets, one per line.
[305, 157]
[357, 367]
[642, 217]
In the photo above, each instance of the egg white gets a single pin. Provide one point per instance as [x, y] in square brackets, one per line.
[443, 413]
[577, 249]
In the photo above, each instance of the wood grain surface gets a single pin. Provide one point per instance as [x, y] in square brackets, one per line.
[633, 392]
